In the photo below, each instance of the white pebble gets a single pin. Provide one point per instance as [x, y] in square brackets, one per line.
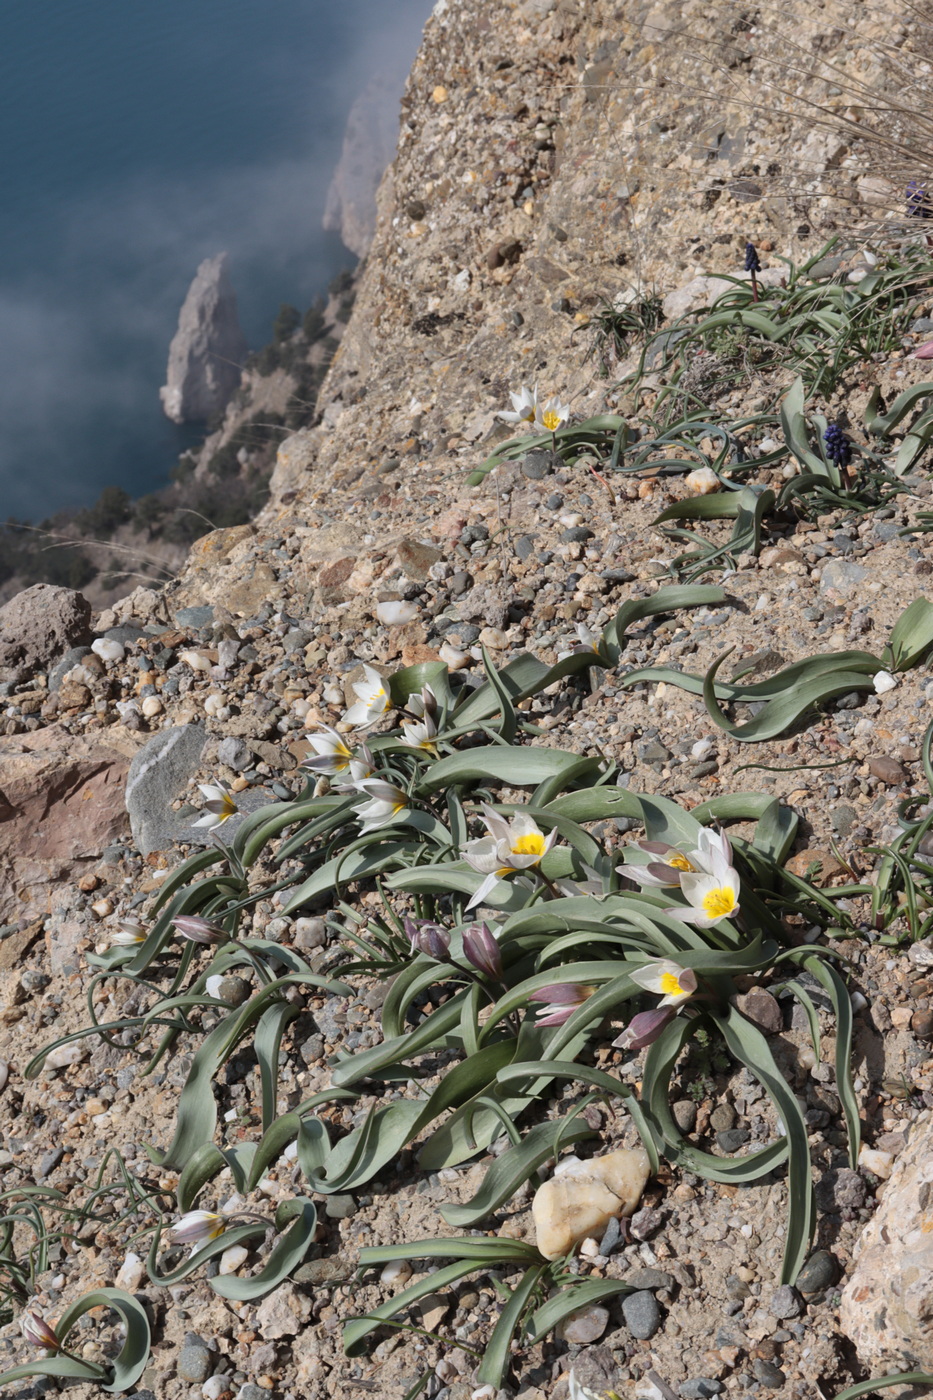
[702, 482]
[108, 650]
[857, 1001]
[232, 1259]
[151, 706]
[333, 695]
[396, 1271]
[131, 1273]
[768, 445]
[454, 659]
[883, 681]
[196, 660]
[590, 1248]
[571, 519]
[702, 749]
[4, 1073]
[300, 707]
[395, 612]
[67, 1055]
[215, 1386]
[233, 1205]
[213, 703]
[763, 602]
[880, 1164]
[789, 469]
[212, 985]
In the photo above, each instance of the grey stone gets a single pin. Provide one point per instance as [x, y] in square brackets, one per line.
[194, 1363]
[843, 819]
[235, 990]
[195, 617]
[73, 657]
[537, 465]
[761, 1008]
[922, 323]
[784, 1302]
[524, 547]
[887, 530]
[819, 1272]
[207, 350]
[685, 1114]
[768, 1374]
[39, 625]
[576, 534]
[596, 1368]
[722, 1118]
[650, 1279]
[250, 1391]
[841, 1189]
[645, 1223]
[699, 1388]
[842, 576]
[642, 1314]
[235, 753]
[339, 1207]
[126, 633]
[50, 1161]
[159, 773]
[732, 1140]
[650, 751]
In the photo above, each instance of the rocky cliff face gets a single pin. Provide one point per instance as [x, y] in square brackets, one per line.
[207, 350]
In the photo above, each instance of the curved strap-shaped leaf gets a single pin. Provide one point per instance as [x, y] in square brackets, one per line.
[577, 1295]
[659, 1065]
[852, 1392]
[880, 424]
[237, 1234]
[779, 714]
[356, 1331]
[197, 1111]
[497, 1351]
[598, 1079]
[490, 1249]
[515, 1166]
[131, 1362]
[300, 1218]
[748, 1044]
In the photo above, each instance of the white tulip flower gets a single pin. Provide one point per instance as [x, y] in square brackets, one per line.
[515, 845]
[525, 406]
[662, 975]
[218, 807]
[372, 699]
[387, 804]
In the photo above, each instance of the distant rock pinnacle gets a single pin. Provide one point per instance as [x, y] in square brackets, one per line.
[207, 350]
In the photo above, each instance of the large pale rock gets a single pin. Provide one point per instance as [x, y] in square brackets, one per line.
[703, 291]
[368, 147]
[582, 1197]
[61, 805]
[887, 1305]
[38, 626]
[160, 772]
[207, 350]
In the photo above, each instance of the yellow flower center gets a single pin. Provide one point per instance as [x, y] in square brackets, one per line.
[679, 862]
[530, 845]
[670, 984]
[551, 420]
[719, 903]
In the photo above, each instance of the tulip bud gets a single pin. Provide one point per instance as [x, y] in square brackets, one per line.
[482, 950]
[198, 930]
[38, 1332]
[644, 1028]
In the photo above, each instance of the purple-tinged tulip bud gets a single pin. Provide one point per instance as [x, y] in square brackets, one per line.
[427, 937]
[482, 950]
[644, 1028]
[198, 930]
[561, 1001]
[38, 1332]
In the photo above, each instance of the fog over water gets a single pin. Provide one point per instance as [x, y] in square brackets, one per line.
[138, 139]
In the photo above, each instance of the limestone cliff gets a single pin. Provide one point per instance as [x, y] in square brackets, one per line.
[208, 348]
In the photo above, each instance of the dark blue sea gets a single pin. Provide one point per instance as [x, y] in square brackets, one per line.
[138, 137]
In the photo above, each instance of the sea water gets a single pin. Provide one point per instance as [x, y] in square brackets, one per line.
[139, 137]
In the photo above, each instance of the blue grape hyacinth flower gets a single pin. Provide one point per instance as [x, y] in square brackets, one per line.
[752, 263]
[838, 446]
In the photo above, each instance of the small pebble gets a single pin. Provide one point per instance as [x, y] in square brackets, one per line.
[784, 1302]
[642, 1314]
[586, 1325]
